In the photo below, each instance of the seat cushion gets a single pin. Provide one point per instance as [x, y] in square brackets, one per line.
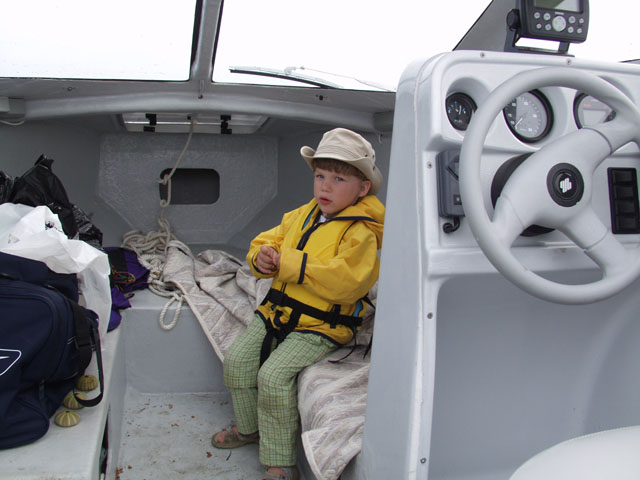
[602, 455]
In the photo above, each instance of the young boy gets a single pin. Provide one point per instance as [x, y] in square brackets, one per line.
[323, 260]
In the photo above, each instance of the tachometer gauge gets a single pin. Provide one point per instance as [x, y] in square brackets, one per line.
[460, 108]
[529, 116]
[588, 110]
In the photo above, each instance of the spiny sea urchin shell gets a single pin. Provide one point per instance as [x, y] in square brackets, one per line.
[71, 402]
[66, 418]
[86, 383]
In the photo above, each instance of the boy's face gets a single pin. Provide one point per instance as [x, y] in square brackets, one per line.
[336, 191]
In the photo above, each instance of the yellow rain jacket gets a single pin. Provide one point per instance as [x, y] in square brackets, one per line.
[329, 266]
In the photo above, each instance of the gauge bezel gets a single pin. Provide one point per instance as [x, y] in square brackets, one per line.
[462, 97]
[580, 96]
[546, 105]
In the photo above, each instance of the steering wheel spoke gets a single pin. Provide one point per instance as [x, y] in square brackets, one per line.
[585, 229]
[611, 256]
[507, 222]
[588, 232]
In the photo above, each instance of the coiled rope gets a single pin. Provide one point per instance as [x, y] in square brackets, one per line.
[151, 249]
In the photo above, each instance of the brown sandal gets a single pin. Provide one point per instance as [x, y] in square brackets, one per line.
[232, 438]
[289, 473]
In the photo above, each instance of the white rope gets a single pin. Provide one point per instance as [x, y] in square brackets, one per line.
[166, 179]
[168, 326]
[151, 249]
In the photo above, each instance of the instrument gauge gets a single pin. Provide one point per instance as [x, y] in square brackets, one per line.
[460, 108]
[588, 110]
[529, 116]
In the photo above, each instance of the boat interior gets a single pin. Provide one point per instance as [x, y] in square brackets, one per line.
[506, 321]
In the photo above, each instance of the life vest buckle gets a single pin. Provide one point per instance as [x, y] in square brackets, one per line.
[333, 317]
[276, 297]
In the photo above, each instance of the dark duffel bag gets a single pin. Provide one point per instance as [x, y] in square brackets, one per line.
[40, 186]
[46, 341]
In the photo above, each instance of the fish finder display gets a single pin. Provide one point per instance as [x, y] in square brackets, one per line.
[566, 5]
[560, 20]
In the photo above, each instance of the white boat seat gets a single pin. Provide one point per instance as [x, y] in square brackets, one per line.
[603, 455]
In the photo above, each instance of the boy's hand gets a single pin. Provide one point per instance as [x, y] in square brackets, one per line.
[268, 260]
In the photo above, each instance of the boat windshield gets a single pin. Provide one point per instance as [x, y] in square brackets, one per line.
[118, 39]
[357, 44]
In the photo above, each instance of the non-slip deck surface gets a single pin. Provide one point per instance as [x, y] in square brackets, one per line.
[168, 436]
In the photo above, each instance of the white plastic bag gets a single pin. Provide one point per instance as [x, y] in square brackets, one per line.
[36, 233]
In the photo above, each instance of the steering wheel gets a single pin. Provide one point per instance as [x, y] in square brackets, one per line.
[553, 188]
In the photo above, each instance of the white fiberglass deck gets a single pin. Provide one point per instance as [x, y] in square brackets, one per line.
[168, 436]
[175, 400]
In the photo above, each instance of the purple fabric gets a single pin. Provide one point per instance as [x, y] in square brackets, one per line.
[127, 275]
[118, 302]
[127, 272]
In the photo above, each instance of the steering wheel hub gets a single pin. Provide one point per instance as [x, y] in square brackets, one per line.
[565, 184]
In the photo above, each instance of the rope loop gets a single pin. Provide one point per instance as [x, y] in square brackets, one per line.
[166, 178]
[179, 298]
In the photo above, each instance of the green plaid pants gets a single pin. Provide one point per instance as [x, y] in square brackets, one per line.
[266, 399]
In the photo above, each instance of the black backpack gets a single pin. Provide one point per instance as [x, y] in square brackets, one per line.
[46, 342]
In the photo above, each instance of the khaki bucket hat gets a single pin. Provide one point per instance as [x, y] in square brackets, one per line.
[347, 146]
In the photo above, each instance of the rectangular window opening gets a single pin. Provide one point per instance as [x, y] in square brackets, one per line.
[191, 186]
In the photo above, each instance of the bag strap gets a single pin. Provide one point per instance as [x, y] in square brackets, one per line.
[87, 341]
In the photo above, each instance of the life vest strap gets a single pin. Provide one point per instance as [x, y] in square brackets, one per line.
[281, 299]
[276, 334]
[333, 317]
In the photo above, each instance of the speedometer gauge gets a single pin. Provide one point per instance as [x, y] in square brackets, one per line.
[588, 111]
[529, 116]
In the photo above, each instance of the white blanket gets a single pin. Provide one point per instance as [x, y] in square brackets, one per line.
[223, 294]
